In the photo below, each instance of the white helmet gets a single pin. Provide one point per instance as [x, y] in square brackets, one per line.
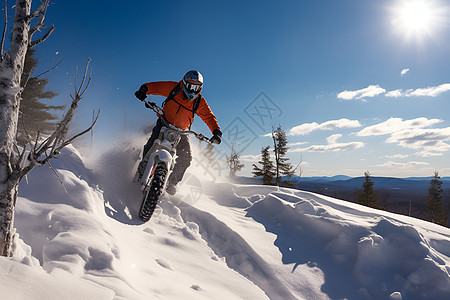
[192, 84]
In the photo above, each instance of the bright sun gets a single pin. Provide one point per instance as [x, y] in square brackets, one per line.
[418, 17]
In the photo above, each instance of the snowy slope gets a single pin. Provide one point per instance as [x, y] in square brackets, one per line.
[214, 240]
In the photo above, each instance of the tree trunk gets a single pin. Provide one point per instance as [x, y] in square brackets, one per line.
[8, 196]
[11, 68]
[277, 161]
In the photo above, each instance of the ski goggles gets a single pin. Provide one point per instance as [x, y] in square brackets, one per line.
[193, 87]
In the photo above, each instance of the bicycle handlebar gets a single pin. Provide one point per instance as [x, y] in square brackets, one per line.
[160, 112]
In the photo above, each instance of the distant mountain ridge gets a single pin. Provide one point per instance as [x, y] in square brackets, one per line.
[325, 178]
[355, 182]
[411, 184]
[345, 177]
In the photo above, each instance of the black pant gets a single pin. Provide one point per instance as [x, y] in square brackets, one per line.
[183, 150]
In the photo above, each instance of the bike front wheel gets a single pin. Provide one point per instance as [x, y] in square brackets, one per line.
[153, 192]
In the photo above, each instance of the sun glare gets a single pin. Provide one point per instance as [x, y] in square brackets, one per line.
[418, 18]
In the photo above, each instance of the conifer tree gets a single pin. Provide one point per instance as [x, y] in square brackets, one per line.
[367, 196]
[233, 162]
[436, 212]
[282, 165]
[34, 115]
[267, 169]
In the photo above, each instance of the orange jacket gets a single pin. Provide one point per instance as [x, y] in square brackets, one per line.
[175, 113]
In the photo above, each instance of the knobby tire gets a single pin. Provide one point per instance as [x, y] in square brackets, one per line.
[156, 188]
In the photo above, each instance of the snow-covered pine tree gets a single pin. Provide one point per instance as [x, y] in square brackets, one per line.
[15, 161]
[282, 165]
[436, 212]
[266, 171]
[367, 196]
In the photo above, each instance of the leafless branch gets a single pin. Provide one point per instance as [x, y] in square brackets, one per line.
[54, 67]
[4, 31]
[87, 84]
[57, 175]
[75, 79]
[300, 171]
[60, 133]
[37, 42]
[25, 82]
[41, 12]
[64, 144]
[82, 85]
[22, 155]
[28, 138]
[31, 72]
[92, 130]
[59, 144]
[16, 148]
[20, 158]
[43, 151]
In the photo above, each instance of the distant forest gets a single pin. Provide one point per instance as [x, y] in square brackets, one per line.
[407, 199]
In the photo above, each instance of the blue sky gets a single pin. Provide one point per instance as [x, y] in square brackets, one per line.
[357, 84]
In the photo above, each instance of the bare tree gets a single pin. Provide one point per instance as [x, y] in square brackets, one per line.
[15, 161]
[300, 170]
[234, 162]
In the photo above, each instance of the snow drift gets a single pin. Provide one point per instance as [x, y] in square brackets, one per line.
[214, 240]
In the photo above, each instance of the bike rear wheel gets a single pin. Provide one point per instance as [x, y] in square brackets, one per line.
[154, 192]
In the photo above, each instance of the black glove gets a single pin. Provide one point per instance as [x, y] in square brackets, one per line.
[150, 104]
[141, 94]
[217, 137]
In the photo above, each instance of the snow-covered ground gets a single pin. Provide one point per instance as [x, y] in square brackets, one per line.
[214, 240]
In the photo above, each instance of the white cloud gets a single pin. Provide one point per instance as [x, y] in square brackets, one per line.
[338, 147]
[404, 71]
[303, 128]
[413, 134]
[298, 144]
[430, 91]
[405, 165]
[396, 156]
[370, 91]
[394, 93]
[332, 146]
[328, 125]
[333, 138]
[250, 158]
[397, 124]
[341, 123]
[433, 140]
[375, 90]
[429, 153]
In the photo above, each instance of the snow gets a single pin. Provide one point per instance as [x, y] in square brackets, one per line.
[214, 240]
